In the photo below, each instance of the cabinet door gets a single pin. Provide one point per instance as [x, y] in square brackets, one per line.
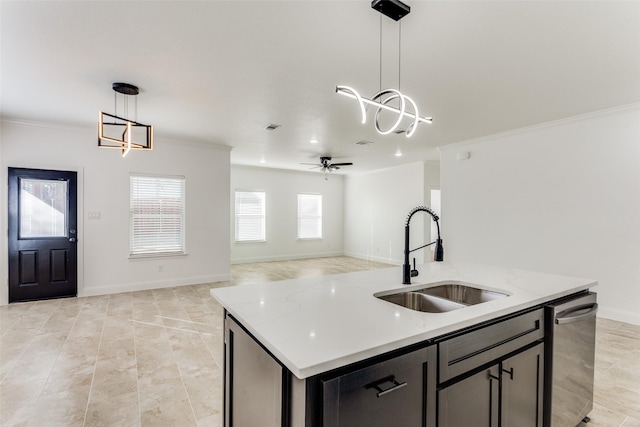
[473, 401]
[392, 393]
[522, 387]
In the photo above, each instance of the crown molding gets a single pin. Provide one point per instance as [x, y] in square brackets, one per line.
[513, 132]
[84, 128]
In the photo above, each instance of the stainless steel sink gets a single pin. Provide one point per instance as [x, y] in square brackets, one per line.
[422, 302]
[442, 296]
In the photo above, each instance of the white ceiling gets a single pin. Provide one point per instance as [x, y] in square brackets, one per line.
[220, 71]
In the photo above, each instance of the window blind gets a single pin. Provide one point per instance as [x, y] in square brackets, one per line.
[250, 216]
[309, 216]
[157, 215]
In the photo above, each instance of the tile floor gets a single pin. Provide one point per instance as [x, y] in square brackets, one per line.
[154, 358]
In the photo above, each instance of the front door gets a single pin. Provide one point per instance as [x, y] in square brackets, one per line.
[42, 234]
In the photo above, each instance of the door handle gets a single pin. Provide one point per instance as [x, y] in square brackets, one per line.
[72, 239]
[562, 319]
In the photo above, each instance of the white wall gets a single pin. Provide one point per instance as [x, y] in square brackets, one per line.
[282, 188]
[562, 197]
[376, 208]
[103, 175]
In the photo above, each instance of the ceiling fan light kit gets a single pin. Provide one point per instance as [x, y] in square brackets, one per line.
[124, 133]
[395, 10]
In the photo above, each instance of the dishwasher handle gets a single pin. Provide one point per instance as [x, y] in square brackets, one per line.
[565, 317]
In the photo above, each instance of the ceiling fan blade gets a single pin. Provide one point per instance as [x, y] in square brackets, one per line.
[341, 164]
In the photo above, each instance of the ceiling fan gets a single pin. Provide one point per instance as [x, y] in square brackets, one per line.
[325, 165]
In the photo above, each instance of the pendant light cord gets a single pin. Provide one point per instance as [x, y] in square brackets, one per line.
[125, 106]
[399, 51]
[380, 52]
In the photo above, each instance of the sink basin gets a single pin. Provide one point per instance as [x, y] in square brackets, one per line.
[442, 297]
[463, 294]
[422, 302]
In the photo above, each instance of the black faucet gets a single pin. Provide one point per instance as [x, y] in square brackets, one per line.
[407, 271]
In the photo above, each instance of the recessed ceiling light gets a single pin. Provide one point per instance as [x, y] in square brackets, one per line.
[314, 141]
[272, 126]
[262, 160]
[398, 153]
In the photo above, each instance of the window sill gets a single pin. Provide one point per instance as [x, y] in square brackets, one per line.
[249, 241]
[139, 257]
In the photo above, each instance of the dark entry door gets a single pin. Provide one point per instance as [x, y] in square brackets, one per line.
[42, 234]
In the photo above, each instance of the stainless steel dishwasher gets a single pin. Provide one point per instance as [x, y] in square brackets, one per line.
[569, 359]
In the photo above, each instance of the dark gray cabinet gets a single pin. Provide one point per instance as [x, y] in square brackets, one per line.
[395, 392]
[488, 375]
[522, 388]
[391, 391]
[472, 401]
[493, 375]
[508, 393]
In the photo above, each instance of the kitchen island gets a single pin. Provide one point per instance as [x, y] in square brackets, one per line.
[293, 346]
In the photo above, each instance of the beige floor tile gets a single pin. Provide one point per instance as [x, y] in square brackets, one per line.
[205, 392]
[66, 408]
[62, 380]
[172, 413]
[212, 421]
[117, 411]
[110, 382]
[116, 328]
[32, 366]
[17, 400]
[631, 422]
[160, 386]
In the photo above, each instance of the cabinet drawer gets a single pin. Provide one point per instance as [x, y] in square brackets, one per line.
[389, 393]
[465, 352]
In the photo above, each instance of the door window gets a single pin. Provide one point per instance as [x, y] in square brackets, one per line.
[43, 208]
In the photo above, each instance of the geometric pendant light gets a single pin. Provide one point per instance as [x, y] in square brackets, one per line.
[383, 100]
[122, 132]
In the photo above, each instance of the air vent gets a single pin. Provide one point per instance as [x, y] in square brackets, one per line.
[272, 126]
[364, 142]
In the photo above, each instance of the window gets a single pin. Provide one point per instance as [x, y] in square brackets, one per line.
[156, 215]
[250, 216]
[309, 216]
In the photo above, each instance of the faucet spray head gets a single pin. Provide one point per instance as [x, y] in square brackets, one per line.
[438, 252]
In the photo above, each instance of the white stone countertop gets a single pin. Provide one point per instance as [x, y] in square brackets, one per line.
[316, 324]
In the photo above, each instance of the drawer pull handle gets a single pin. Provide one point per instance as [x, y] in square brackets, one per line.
[390, 379]
[510, 372]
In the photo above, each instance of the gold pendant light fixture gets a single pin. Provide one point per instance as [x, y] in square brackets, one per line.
[123, 133]
[395, 10]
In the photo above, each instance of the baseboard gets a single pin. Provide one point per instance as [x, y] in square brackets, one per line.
[158, 284]
[285, 257]
[373, 258]
[619, 315]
